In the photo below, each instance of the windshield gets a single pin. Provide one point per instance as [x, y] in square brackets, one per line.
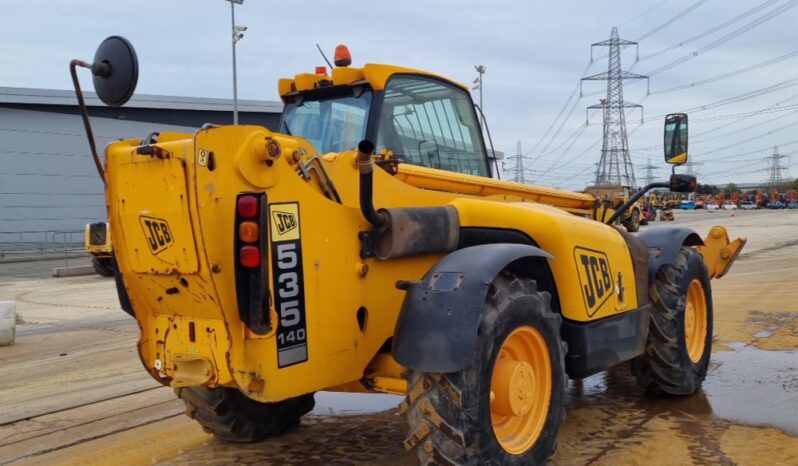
[331, 124]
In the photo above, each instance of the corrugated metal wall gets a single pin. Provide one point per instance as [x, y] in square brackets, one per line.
[48, 183]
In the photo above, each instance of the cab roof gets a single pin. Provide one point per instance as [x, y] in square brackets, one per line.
[375, 74]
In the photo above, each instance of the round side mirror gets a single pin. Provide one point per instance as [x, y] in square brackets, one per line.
[115, 70]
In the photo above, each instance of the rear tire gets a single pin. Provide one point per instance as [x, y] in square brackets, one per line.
[679, 342]
[452, 418]
[103, 266]
[229, 415]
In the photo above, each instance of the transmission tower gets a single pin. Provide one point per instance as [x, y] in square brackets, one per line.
[518, 172]
[650, 172]
[775, 170]
[615, 166]
[690, 166]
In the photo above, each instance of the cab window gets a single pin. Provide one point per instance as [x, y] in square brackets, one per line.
[427, 122]
[331, 123]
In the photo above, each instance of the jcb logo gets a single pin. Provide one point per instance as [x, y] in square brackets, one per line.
[284, 222]
[595, 277]
[156, 230]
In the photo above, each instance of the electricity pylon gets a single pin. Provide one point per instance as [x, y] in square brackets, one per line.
[615, 166]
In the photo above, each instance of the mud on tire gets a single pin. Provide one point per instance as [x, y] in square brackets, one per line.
[450, 414]
[229, 415]
[666, 367]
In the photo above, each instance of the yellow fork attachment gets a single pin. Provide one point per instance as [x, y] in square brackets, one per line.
[719, 253]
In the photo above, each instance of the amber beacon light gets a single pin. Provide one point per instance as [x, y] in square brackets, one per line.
[342, 56]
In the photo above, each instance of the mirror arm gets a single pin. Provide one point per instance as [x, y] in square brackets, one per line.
[634, 199]
[84, 113]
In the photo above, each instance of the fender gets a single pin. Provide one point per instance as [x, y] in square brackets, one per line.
[664, 243]
[437, 326]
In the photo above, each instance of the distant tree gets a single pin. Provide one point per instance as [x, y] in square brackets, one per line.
[706, 189]
[731, 188]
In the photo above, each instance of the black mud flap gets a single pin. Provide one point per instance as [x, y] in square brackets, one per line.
[437, 326]
[664, 243]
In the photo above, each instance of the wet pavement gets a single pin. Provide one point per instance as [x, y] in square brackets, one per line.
[746, 413]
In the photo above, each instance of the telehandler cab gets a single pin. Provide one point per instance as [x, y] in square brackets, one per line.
[365, 247]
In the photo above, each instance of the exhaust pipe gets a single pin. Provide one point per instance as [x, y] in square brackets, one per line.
[365, 164]
[403, 231]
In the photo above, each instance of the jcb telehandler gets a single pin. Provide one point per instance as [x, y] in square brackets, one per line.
[365, 247]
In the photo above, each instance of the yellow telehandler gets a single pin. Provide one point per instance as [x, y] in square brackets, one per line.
[97, 243]
[365, 247]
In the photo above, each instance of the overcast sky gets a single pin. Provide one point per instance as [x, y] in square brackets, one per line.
[535, 53]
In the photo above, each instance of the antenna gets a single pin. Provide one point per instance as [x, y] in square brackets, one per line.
[325, 57]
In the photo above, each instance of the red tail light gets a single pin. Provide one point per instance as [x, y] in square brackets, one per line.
[248, 206]
[250, 256]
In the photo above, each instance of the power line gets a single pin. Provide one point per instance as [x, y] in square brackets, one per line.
[773, 108]
[739, 98]
[737, 32]
[562, 110]
[671, 20]
[753, 138]
[711, 31]
[731, 74]
[647, 11]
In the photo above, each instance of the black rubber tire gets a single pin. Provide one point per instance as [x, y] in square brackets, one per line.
[449, 414]
[633, 224]
[666, 368]
[121, 292]
[103, 266]
[229, 415]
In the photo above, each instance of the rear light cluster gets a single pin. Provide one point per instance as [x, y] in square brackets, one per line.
[248, 230]
[251, 272]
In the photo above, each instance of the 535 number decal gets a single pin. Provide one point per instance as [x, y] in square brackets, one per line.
[595, 277]
[289, 290]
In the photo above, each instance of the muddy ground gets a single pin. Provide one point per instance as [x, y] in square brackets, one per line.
[72, 389]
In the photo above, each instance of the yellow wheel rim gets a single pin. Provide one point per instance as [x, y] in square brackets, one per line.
[520, 390]
[695, 320]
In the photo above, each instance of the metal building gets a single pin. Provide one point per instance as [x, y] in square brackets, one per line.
[49, 188]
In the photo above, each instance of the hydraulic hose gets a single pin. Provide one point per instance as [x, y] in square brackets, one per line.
[85, 115]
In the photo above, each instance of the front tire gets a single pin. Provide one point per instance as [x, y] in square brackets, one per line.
[633, 224]
[230, 415]
[507, 406]
[679, 343]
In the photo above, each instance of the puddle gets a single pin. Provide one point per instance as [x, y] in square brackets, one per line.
[765, 333]
[749, 386]
[347, 404]
[755, 386]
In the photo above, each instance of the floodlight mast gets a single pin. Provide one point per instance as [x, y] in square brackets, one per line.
[238, 34]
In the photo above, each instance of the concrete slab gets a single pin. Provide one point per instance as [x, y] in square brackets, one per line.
[73, 271]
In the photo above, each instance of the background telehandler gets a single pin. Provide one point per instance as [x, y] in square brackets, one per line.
[366, 248]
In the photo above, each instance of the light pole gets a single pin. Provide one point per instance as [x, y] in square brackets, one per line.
[481, 70]
[238, 34]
